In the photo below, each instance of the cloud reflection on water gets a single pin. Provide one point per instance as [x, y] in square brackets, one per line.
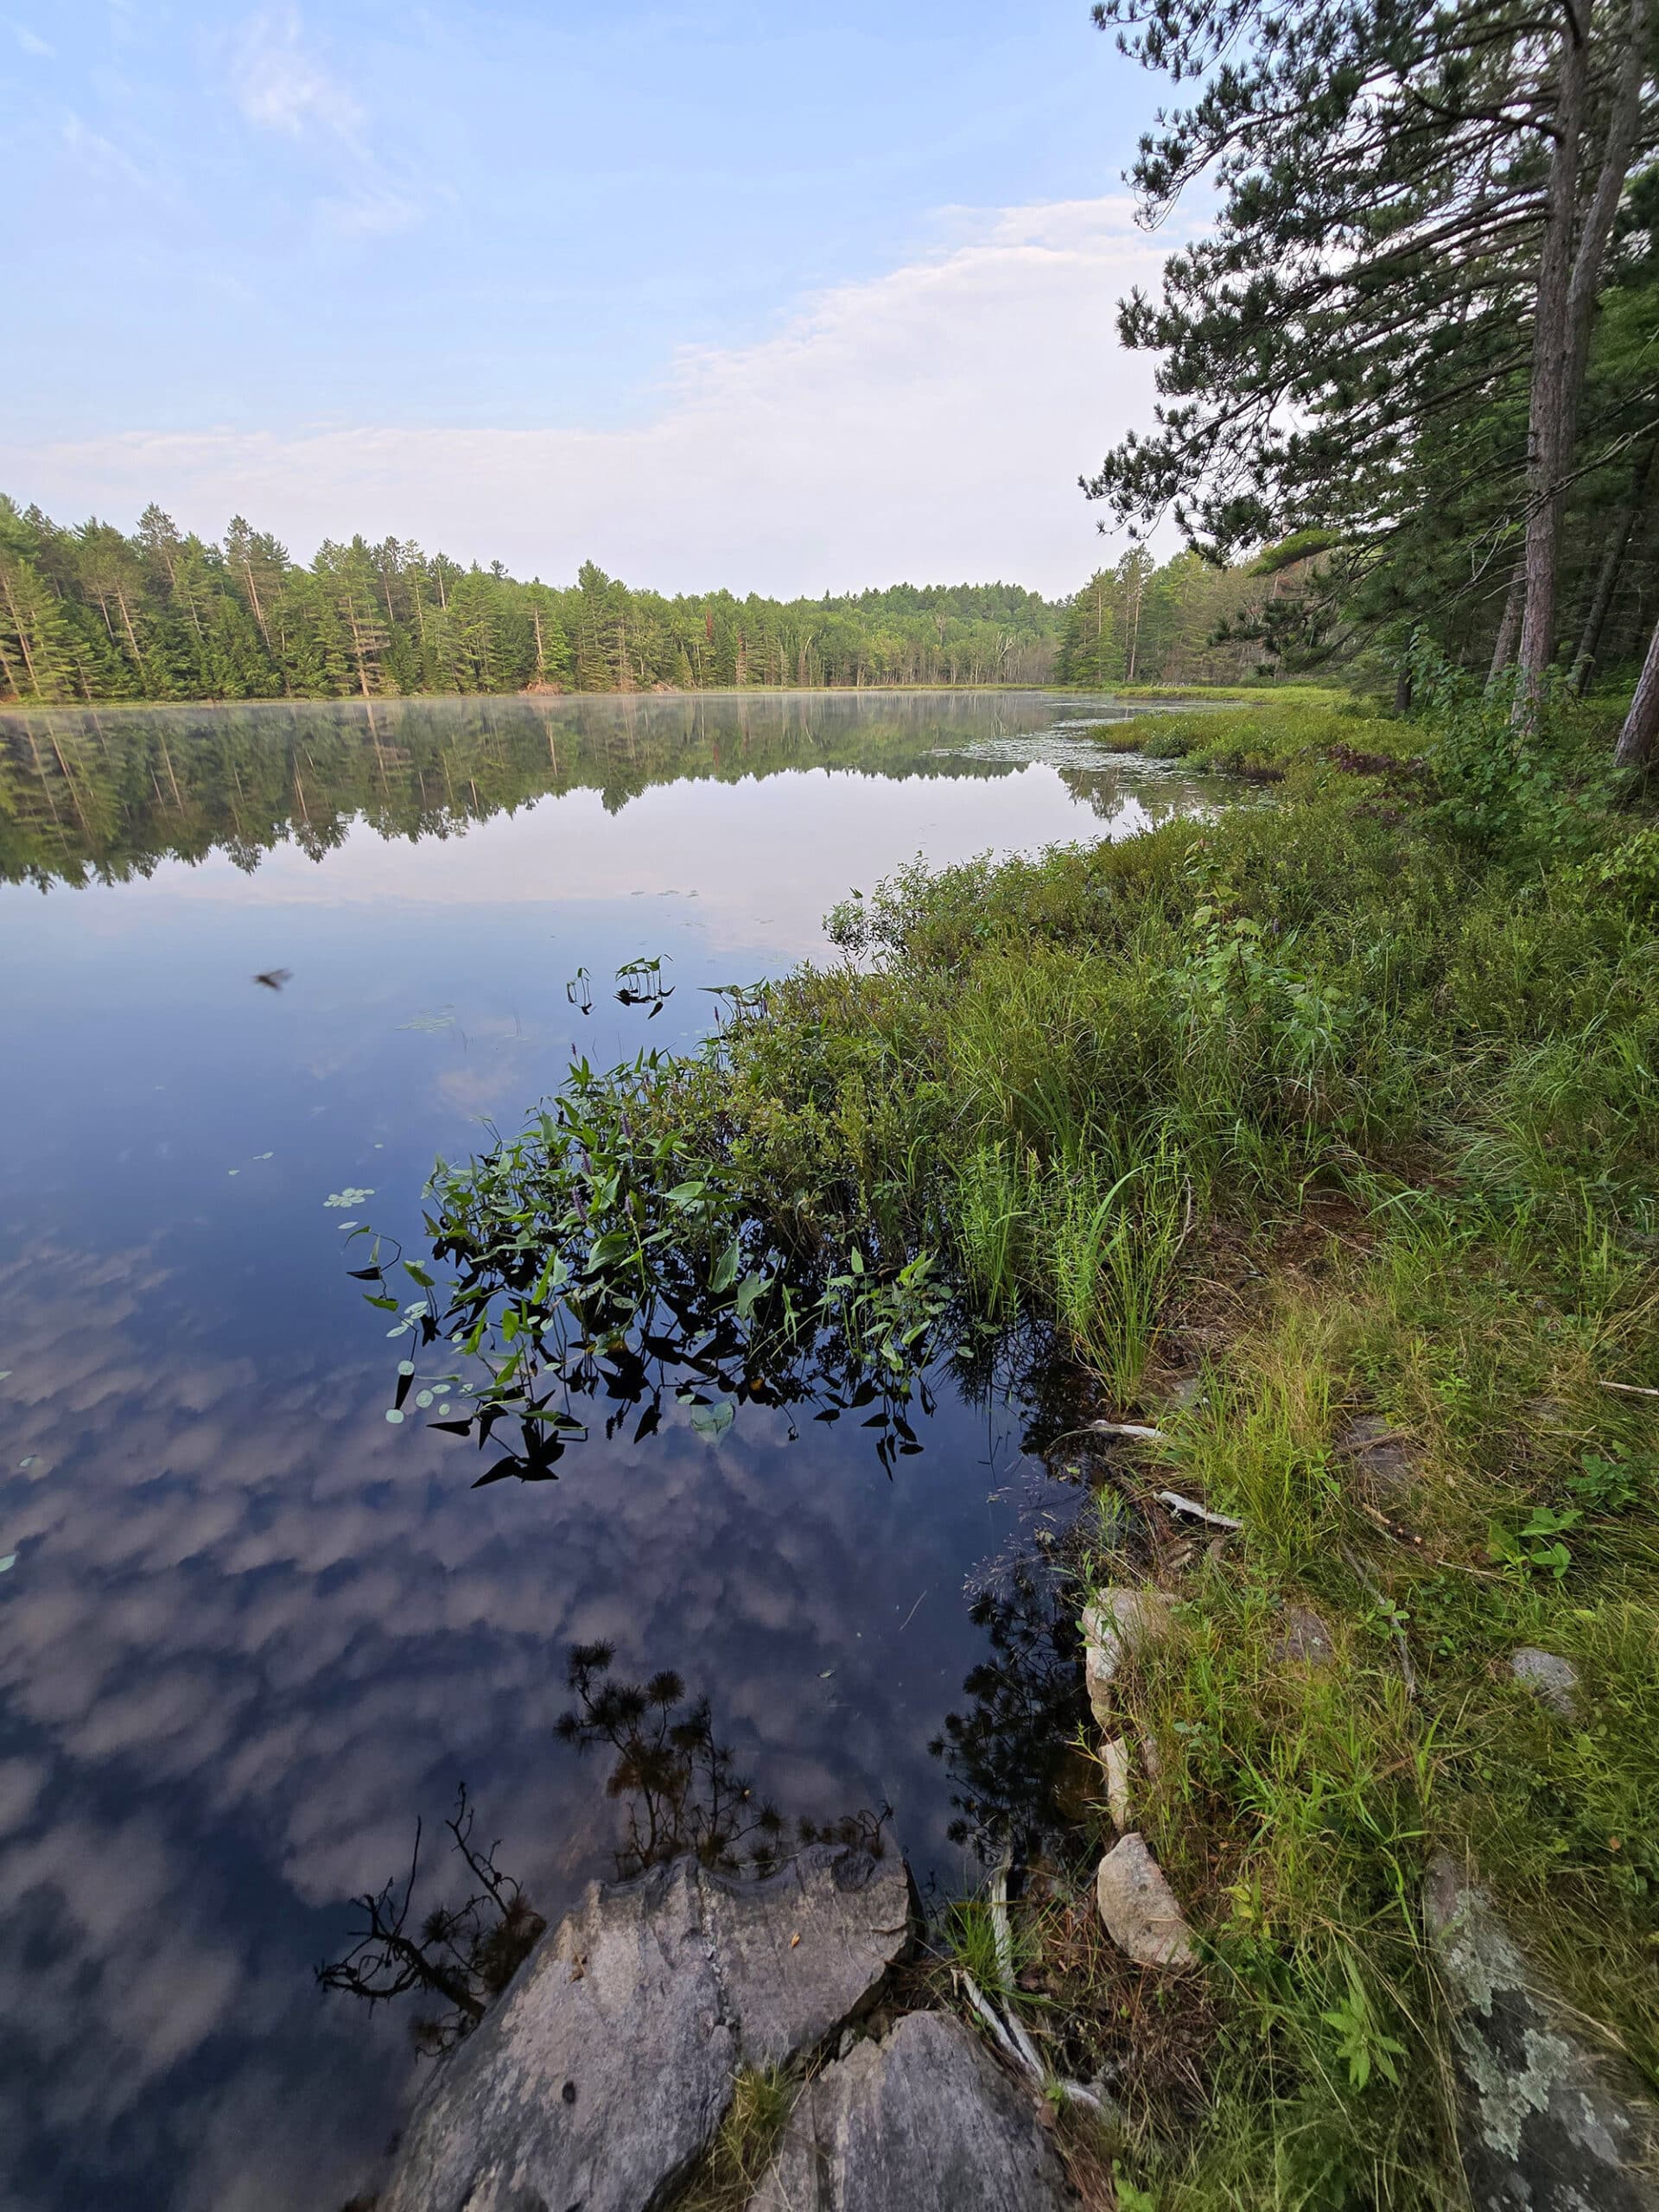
[253, 1631]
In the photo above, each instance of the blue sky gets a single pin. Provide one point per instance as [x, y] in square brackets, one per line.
[402, 244]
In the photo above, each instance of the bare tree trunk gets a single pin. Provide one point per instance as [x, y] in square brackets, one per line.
[1552, 358]
[1624, 117]
[253, 594]
[1508, 626]
[1635, 748]
[1583, 661]
[132, 635]
[1568, 283]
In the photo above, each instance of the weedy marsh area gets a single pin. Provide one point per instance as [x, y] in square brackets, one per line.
[1321, 1134]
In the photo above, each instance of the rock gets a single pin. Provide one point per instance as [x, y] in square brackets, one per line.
[1115, 1757]
[1552, 1679]
[1120, 1622]
[1304, 1640]
[1547, 2122]
[605, 2067]
[1381, 1454]
[924, 2119]
[1139, 1907]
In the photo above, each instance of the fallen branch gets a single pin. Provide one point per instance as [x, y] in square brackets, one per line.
[1635, 1390]
[987, 2012]
[1001, 1934]
[1177, 1504]
[1075, 2093]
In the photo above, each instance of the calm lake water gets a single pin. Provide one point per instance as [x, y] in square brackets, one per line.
[250, 1632]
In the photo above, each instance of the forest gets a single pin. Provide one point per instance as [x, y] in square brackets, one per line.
[91, 613]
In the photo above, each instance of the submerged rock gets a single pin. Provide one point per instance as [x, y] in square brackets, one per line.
[1547, 2122]
[920, 2122]
[1120, 1622]
[1552, 1679]
[603, 2072]
[1139, 1907]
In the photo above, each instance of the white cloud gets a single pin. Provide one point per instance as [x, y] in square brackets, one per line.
[929, 424]
[281, 85]
[31, 42]
[278, 85]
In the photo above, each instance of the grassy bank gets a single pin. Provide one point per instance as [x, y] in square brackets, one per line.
[1336, 1107]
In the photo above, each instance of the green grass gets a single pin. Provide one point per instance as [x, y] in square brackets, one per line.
[736, 2164]
[1361, 1072]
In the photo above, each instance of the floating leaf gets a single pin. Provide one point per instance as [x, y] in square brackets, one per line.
[394, 1413]
[406, 1367]
[264, 1156]
[232, 1170]
[353, 1195]
[712, 1422]
[7, 1563]
[29, 1462]
[422, 1399]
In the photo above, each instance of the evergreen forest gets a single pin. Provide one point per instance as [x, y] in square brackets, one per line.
[91, 613]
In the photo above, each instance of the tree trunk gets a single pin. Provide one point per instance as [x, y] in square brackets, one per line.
[1508, 626]
[1635, 748]
[1552, 360]
[1624, 117]
[1583, 661]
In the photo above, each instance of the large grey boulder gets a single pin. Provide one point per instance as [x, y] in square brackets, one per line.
[925, 2122]
[605, 2069]
[1547, 2123]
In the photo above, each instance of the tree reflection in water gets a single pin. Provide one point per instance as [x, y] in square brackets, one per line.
[683, 1796]
[464, 1955]
[1011, 1753]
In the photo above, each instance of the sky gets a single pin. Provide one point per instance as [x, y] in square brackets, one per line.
[789, 297]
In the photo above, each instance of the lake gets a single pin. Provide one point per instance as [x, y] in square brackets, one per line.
[258, 958]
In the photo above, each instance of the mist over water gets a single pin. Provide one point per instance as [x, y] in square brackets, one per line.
[260, 958]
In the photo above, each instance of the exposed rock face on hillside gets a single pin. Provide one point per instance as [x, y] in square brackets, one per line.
[605, 2070]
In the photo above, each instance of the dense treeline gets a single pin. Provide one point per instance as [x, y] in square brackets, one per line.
[1187, 622]
[1421, 334]
[90, 614]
